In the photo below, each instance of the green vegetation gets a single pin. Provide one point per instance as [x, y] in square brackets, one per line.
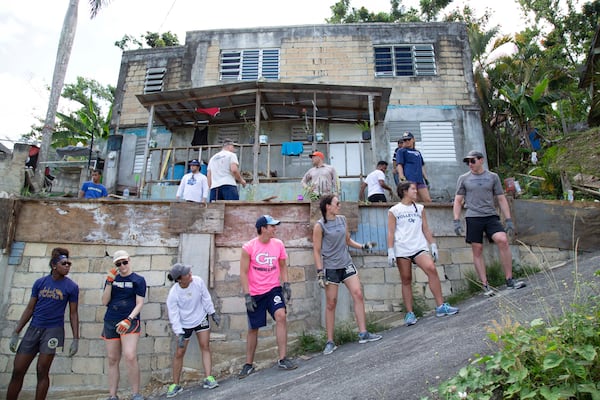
[314, 342]
[557, 358]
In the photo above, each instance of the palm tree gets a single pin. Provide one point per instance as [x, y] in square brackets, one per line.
[65, 45]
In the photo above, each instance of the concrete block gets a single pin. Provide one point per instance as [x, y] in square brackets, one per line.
[296, 274]
[233, 305]
[80, 265]
[392, 275]
[372, 275]
[87, 313]
[163, 344]
[151, 311]
[462, 256]
[15, 311]
[452, 272]
[155, 278]
[157, 294]
[4, 362]
[18, 295]
[38, 264]
[238, 322]
[162, 262]
[158, 328]
[378, 291]
[25, 280]
[301, 258]
[91, 330]
[81, 364]
[228, 254]
[36, 250]
[90, 281]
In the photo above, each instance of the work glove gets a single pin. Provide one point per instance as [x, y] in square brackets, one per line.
[250, 303]
[391, 257]
[457, 228]
[123, 326]
[110, 277]
[434, 252]
[74, 347]
[14, 342]
[321, 278]
[369, 245]
[287, 291]
[216, 318]
[180, 341]
[510, 228]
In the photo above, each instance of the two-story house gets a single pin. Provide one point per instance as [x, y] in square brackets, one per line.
[282, 92]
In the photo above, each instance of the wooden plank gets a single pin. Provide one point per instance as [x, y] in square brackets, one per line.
[560, 224]
[196, 218]
[349, 210]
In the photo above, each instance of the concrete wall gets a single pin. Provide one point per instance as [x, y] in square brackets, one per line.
[152, 234]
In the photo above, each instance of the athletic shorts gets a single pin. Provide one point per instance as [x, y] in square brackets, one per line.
[476, 226]
[377, 198]
[204, 326]
[271, 302]
[337, 276]
[414, 256]
[110, 329]
[42, 340]
[421, 186]
[225, 192]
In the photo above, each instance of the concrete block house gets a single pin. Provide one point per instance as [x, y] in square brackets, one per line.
[317, 87]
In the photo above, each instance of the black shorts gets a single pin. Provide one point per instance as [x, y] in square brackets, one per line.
[377, 198]
[271, 302]
[109, 332]
[476, 226]
[204, 326]
[337, 276]
[412, 258]
[42, 340]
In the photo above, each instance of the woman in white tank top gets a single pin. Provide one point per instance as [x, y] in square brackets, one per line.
[408, 240]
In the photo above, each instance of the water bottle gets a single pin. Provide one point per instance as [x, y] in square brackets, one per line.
[126, 193]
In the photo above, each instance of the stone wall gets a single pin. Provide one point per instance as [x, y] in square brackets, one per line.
[150, 232]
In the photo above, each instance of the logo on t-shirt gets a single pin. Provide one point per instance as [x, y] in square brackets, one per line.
[264, 262]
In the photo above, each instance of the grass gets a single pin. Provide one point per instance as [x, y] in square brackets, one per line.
[346, 332]
[555, 357]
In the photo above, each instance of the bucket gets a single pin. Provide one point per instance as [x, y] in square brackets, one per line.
[263, 139]
[176, 173]
[509, 185]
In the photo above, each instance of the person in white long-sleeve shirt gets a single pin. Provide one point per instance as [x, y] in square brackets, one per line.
[194, 185]
[189, 304]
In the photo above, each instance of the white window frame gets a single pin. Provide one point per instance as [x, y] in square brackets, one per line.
[249, 65]
[405, 60]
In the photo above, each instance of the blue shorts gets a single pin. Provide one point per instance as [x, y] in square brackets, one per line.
[109, 332]
[337, 276]
[225, 192]
[270, 301]
[476, 226]
[42, 340]
[204, 326]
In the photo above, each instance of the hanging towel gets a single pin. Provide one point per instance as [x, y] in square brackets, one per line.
[213, 111]
[292, 148]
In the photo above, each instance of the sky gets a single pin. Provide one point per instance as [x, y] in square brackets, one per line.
[30, 31]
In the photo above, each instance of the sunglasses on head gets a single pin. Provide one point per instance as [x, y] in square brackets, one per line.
[119, 263]
[405, 140]
[66, 263]
[472, 160]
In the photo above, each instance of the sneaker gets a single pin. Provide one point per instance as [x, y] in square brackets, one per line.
[286, 363]
[410, 319]
[174, 389]
[329, 348]
[487, 291]
[445, 309]
[368, 337]
[210, 383]
[137, 396]
[247, 369]
[512, 284]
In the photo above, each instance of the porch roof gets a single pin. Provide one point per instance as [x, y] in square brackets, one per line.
[273, 100]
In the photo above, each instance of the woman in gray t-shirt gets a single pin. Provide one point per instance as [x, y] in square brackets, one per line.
[331, 239]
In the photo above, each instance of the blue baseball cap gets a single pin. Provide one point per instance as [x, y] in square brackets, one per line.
[195, 162]
[266, 220]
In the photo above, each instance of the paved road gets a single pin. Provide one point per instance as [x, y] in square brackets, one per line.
[407, 361]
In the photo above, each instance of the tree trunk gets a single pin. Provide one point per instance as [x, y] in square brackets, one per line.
[65, 44]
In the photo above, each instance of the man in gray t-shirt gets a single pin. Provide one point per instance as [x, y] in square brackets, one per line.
[478, 189]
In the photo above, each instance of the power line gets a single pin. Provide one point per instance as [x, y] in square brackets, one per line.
[167, 16]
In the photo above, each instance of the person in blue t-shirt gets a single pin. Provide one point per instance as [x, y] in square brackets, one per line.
[93, 189]
[411, 167]
[123, 296]
[46, 309]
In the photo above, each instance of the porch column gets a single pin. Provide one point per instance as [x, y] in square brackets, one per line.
[372, 125]
[146, 151]
[256, 146]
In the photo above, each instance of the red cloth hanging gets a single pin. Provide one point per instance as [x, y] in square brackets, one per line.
[213, 111]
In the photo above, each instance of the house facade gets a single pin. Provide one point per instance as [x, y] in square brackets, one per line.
[313, 84]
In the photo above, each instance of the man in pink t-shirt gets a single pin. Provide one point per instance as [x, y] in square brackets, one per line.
[262, 269]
